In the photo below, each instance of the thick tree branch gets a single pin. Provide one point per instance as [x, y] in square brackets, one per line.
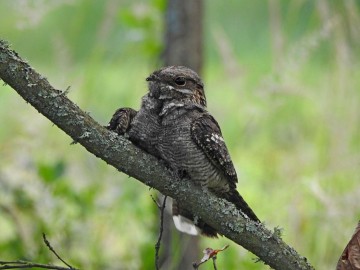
[120, 153]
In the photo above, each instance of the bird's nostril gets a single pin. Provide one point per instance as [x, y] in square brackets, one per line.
[152, 78]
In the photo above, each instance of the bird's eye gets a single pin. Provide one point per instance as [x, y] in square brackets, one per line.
[180, 81]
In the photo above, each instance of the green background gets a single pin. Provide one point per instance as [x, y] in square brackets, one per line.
[284, 86]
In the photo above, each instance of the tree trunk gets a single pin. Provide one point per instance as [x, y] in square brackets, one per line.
[183, 46]
[183, 37]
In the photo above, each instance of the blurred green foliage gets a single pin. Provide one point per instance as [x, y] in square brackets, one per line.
[282, 78]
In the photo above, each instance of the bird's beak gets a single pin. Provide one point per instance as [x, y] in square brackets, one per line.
[152, 78]
[184, 91]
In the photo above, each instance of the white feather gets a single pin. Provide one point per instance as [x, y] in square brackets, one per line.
[185, 225]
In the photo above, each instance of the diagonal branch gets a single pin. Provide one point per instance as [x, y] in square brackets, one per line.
[123, 155]
[47, 243]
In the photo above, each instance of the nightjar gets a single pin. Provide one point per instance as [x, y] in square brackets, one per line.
[174, 125]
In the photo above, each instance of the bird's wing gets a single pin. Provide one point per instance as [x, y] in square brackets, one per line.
[206, 132]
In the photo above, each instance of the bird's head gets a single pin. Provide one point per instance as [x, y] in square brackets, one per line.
[177, 83]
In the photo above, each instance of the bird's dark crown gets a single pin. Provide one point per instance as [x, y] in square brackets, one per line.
[177, 82]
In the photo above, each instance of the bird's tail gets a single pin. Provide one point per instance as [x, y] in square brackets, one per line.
[184, 219]
[240, 204]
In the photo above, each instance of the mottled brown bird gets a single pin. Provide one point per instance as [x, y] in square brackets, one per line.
[174, 125]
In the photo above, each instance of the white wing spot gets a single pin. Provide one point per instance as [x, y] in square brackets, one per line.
[216, 138]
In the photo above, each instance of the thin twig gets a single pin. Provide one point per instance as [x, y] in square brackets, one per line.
[155, 201]
[214, 262]
[47, 243]
[158, 243]
[28, 265]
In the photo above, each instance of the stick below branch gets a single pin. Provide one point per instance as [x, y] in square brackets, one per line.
[158, 243]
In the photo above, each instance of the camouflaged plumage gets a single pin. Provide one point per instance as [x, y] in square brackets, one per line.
[174, 125]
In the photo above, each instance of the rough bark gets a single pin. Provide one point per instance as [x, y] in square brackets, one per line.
[123, 155]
